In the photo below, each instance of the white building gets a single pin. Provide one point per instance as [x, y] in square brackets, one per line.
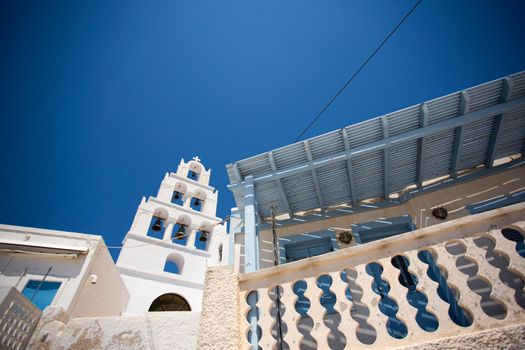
[65, 269]
[174, 237]
[46, 269]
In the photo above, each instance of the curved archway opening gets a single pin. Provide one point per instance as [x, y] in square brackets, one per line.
[203, 236]
[179, 191]
[174, 264]
[157, 223]
[194, 171]
[169, 302]
[198, 200]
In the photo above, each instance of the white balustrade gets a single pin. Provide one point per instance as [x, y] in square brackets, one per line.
[434, 239]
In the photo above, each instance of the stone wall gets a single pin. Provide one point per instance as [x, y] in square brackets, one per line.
[159, 331]
[219, 324]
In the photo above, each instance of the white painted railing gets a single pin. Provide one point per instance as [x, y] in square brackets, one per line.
[18, 318]
[455, 278]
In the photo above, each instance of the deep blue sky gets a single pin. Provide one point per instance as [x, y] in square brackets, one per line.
[99, 99]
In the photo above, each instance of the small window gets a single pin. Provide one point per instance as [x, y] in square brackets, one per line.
[174, 264]
[171, 267]
[41, 293]
[176, 198]
[196, 204]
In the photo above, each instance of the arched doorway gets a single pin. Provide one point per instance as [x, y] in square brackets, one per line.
[170, 302]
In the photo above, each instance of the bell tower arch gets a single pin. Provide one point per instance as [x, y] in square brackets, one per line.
[179, 228]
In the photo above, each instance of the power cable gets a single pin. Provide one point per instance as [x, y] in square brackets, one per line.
[357, 72]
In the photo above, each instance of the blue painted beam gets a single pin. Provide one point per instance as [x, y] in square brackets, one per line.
[280, 185]
[491, 149]
[349, 169]
[251, 254]
[506, 95]
[495, 203]
[314, 175]
[386, 166]
[423, 122]
[237, 172]
[464, 105]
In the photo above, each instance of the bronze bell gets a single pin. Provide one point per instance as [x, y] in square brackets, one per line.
[192, 174]
[180, 232]
[176, 195]
[204, 236]
[156, 226]
[197, 202]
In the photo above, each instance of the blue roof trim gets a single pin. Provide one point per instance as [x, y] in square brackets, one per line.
[384, 155]
[496, 203]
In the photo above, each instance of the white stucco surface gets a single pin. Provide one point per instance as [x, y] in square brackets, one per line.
[508, 338]
[149, 286]
[159, 331]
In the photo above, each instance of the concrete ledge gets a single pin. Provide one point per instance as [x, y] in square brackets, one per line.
[511, 337]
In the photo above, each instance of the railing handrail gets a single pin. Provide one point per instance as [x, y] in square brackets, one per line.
[465, 226]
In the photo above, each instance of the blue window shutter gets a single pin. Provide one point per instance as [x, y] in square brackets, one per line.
[45, 294]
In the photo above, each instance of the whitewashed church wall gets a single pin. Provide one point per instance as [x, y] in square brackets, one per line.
[153, 258]
[146, 211]
[145, 289]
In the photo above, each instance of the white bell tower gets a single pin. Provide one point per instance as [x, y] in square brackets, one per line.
[174, 237]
